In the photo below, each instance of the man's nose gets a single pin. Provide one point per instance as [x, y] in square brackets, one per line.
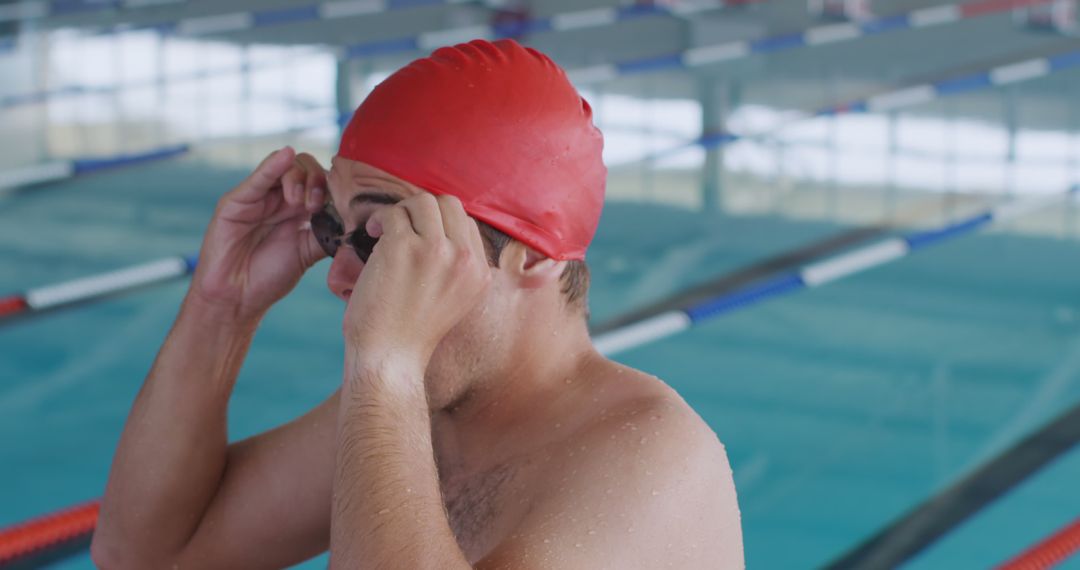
[344, 271]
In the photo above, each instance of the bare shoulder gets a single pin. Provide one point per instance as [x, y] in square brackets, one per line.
[645, 483]
[641, 417]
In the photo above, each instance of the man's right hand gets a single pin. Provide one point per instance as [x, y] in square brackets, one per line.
[259, 242]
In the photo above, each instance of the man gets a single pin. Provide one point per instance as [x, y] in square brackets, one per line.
[476, 425]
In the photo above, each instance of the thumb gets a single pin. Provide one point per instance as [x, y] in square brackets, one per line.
[311, 250]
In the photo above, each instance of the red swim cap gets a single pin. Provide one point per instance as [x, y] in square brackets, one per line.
[499, 126]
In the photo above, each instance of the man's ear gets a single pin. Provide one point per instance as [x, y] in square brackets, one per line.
[531, 269]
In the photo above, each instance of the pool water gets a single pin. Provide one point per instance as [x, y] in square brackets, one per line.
[841, 407]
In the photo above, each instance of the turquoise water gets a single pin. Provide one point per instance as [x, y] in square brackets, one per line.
[841, 407]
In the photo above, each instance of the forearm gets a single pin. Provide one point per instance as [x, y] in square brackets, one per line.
[388, 509]
[172, 453]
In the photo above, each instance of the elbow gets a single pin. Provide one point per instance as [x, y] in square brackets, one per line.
[109, 554]
[105, 554]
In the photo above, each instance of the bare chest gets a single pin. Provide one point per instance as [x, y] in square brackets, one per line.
[483, 508]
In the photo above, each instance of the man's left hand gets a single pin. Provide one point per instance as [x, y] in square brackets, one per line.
[428, 270]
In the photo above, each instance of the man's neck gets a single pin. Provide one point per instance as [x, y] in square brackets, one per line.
[546, 366]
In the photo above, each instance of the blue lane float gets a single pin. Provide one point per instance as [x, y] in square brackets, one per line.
[57, 170]
[816, 274]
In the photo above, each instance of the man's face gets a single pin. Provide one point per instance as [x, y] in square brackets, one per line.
[358, 191]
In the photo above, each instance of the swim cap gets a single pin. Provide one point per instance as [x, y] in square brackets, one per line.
[499, 126]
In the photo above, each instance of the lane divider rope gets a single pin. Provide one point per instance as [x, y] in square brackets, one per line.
[1049, 552]
[63, 169]
[48, 532]
[810, 276]
[95, 286]
[984, 79]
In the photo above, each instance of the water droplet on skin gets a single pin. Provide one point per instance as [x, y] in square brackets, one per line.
[547, 541]
[592, 532]
[643, 440]
[608, 491]
[557, 426]
[655, 492]
[578, 545]
[630, 529]
[384, 511]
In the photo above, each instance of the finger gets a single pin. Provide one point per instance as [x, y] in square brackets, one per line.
[292, 184]
[456, 222]
[316, 174]
[266, 176]
[425, 216]
[315, 194]
[389, 221]
[310, 249]
[315, 200]
[460, 228]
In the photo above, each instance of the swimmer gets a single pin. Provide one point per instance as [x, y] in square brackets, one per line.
[475, 425]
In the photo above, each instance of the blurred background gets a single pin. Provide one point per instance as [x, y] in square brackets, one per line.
[919, 414]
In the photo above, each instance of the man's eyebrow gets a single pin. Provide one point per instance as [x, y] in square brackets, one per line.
[374, 198]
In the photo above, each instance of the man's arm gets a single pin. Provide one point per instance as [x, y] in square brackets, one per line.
[177, 492]
[427, 271]
[388, 510]
[172, 455]
[654, 491]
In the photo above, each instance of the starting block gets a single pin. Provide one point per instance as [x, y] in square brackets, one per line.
[1058, 16]
[843, 10]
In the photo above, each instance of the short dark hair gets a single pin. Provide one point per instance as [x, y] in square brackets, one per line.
[574, 278]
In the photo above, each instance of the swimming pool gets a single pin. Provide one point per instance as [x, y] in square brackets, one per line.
[841, 407]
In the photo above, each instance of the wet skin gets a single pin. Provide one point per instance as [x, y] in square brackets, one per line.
[539, 452]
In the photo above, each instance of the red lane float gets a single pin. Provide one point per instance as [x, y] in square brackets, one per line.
[1050, 552]
[12, 305]
[48, 532]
